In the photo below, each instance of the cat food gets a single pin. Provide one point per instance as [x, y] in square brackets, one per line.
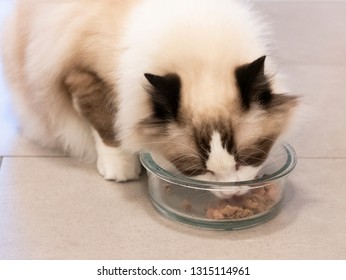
[238, 207]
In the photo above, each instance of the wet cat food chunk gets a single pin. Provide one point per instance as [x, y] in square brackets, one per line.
[257, 201]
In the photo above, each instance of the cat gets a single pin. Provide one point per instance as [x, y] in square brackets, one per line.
[189, 80]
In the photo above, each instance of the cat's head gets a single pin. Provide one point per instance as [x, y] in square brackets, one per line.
[218, 129]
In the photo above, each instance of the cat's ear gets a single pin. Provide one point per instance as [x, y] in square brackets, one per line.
[254, 85]
[165, 95]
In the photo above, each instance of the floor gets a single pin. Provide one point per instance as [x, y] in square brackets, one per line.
[52, 207]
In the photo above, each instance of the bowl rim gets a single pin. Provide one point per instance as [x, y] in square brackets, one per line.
[151, 166]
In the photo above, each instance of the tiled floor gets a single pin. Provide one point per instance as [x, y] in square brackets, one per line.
[57, 208]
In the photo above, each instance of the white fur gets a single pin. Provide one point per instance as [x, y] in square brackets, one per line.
[115, 163]
[220, 162]
[223, 169]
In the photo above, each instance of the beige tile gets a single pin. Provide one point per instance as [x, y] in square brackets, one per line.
[58, 209]
[55, 208]
[319, 129]
[307, 32]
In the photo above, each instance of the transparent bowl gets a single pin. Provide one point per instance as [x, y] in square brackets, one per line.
[196, 203]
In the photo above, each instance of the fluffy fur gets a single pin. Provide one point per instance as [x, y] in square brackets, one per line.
[187, 79]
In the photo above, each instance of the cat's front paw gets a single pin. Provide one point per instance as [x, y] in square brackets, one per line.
[118, 166]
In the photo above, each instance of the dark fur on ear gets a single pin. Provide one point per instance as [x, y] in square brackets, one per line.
[165, 95]
[253, 84]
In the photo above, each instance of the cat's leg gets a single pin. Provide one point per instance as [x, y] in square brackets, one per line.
[113, 163]
[96, 101]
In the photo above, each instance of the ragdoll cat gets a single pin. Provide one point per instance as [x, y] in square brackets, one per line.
[187, 79]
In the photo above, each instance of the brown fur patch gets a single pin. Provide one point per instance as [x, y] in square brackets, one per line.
[184, 152]
[95, 100]
[256, 153]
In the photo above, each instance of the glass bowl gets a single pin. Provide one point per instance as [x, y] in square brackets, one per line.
[197, 203]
